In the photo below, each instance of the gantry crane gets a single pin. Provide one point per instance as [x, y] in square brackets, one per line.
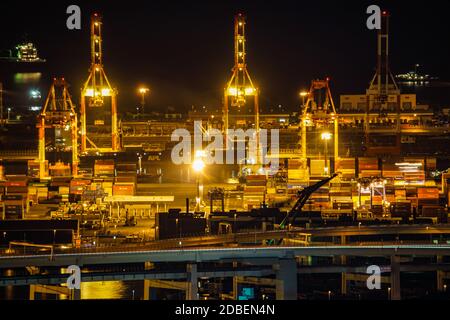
[383, 93]
[94, 91]
[58, 112]
[319, 112]
[240, 86]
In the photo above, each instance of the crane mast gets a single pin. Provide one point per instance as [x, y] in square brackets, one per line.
[240, 86]
[383, 91]
[96, 88]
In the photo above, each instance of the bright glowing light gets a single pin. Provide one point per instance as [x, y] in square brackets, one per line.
[200, 154]
[198, 165]
[303, 94]
[325, 136]
[249, 91]
[408, 164]
[35, 94]
[143, 90]
[106, 92]
[232, 91]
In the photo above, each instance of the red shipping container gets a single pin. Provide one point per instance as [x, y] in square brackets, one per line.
[123, 190]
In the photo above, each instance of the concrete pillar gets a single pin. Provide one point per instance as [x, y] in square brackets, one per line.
[286, 275]
[32, 290]
[235, 283]
[343, 283]
[439, 276]
[343, 243]
[192, 282]
[146, 290]
[395, 278]
[75, 294]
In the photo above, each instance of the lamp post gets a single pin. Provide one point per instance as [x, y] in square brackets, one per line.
[325, 136]
[198, 165]
[303, 94]
[143, 91]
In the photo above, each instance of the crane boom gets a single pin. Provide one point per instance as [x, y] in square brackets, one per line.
[303, 196]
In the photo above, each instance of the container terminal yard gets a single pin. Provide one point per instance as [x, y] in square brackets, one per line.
[363, 181]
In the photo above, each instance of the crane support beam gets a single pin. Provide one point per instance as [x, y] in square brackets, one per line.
[94, 93]
[240, 86]
[58, 112]
[319, 111]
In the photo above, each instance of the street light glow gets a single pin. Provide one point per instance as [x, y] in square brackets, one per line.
[143, 90]
[325, 136]
[303, 94]
[198, 165]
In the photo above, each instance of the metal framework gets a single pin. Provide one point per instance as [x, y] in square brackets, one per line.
[319, 111]
[96, 88]
[240, 86]
[382, 88]
[302, 198]
[58, 111]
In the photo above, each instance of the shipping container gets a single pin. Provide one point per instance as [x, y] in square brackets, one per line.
[104, 167]
[123, 190]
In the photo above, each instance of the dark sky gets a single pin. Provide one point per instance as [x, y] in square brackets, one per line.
[183, 50]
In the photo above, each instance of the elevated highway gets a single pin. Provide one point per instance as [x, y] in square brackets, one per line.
[235, 254]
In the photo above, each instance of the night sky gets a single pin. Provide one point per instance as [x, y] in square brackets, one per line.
[183, 50]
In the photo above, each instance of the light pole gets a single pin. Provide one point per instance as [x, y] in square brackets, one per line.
[325, 136]
[143, 91]
[178, 226]
[9, 113]
[303, 94]
[198, 165]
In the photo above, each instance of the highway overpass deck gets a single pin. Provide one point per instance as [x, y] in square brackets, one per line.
[243, 254]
